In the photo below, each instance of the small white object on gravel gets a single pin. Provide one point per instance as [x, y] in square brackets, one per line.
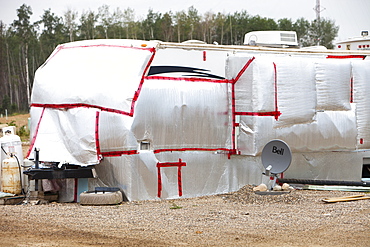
[261, 187]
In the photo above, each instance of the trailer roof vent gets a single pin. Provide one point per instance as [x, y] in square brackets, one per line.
[277, 39]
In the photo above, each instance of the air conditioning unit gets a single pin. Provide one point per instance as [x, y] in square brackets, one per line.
[278, 39]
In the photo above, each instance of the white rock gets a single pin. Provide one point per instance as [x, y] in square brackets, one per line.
[290, 188]
[277, 188]
[261, 187]
[285, 186]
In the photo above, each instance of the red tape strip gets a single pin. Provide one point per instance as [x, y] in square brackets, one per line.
[35, 135]
[190, 79]
[179, 180]
[276, 93]
[119, 153]
[62, 47]
[76, 105]
[97, 142]
[346, 56]
[190, 149]
[261, 114]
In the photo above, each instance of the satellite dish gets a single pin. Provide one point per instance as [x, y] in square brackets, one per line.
[276, 156]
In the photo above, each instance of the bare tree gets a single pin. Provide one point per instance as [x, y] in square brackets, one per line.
[23, 29]
[70, 17]
[106, 20]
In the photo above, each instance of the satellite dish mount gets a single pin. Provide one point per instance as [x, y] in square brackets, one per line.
[276, 158]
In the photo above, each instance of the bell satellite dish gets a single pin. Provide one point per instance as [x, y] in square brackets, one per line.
[276, 157]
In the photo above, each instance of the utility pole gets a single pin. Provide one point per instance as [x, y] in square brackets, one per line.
[318, 10]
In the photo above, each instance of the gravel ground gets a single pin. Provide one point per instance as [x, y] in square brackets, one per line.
[242, 218]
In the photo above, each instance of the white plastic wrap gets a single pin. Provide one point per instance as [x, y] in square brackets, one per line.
[67, 136]
[182, 114]
[296, 90]
[342, 166]
[254, 91]
[205, 173]
[331, 130]
[333, 83]
[255, 133]
[115, 132]
[105, 74]
[361, 86]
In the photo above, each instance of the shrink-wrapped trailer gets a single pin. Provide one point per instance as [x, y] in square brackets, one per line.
[165, 120]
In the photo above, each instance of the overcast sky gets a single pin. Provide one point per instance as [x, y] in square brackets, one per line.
[352, 16]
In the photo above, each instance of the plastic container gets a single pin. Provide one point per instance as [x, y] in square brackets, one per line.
[10, 144]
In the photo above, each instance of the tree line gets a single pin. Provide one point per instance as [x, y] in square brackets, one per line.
[24, 46]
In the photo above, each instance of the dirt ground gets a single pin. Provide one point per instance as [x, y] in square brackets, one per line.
[235, 219]
[20, 119]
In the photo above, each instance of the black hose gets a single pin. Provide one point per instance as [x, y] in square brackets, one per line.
[20, 174]
[322, 182]
[4, 150]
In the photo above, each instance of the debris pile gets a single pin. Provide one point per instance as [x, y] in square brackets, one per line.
[247, 195]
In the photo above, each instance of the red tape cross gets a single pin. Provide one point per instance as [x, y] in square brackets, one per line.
[170, 164]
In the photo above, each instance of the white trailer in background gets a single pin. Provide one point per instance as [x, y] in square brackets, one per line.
[361, 43]
[169, 120]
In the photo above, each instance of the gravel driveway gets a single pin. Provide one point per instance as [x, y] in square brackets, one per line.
[242, 218]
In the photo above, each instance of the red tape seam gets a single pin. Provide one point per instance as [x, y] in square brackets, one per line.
[97, 141]
[35, 135]
[190, 149]
[346, 56]
[77, 105]
[62, 47]
[189, 79]
[137, 93]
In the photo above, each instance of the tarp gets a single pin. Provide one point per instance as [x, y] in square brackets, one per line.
[361, 89]
[104, 74]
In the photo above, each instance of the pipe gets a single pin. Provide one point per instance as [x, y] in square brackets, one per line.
[37, 167]
[322, 182]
